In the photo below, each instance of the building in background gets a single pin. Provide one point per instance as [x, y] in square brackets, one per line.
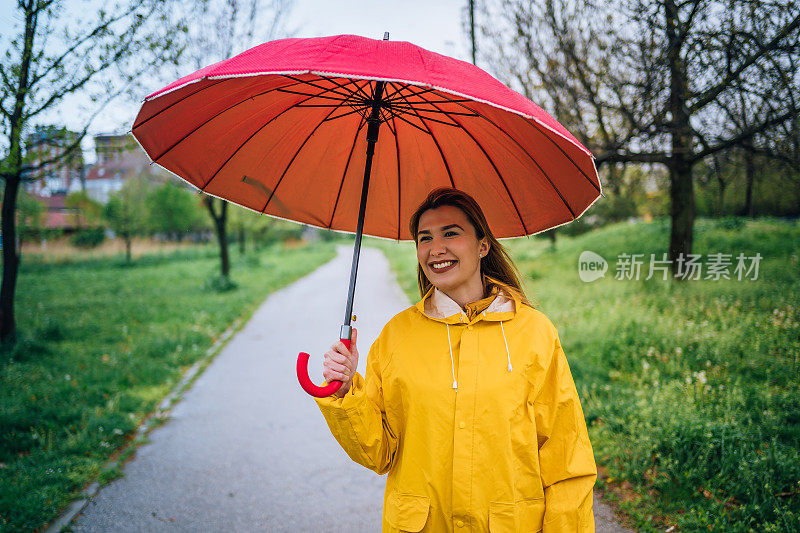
[119, 158]
[49, 173]
[51, 178]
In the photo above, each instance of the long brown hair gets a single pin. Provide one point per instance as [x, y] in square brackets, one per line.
[496, 264]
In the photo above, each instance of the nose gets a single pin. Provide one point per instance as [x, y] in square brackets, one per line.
[437, 246]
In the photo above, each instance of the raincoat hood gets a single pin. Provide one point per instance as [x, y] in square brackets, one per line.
[438, 306]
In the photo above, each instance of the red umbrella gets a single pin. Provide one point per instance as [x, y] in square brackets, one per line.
[289, 128]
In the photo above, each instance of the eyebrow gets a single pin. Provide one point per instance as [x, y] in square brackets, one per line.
[444, 228]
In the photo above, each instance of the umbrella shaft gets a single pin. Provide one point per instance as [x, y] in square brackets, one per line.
[372, 137]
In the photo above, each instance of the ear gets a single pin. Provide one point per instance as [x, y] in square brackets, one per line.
[484, 247]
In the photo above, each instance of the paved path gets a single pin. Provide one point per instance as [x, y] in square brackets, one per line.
[247, 449]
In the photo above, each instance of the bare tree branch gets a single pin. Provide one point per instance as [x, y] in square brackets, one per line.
[80, 41]
[744, 135]
[710, 94]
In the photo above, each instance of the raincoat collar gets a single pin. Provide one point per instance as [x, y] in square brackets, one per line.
[436, 305]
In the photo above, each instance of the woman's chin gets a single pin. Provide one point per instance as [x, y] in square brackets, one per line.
[442, 285]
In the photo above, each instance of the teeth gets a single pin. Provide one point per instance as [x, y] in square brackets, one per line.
[442, 265]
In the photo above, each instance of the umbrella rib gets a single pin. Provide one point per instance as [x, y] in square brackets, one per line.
[145, 121]
[165, 152]
[346, 166]
[497, 171]
[344, 115]
[203, 188]
[395, 105]
[555, 187]
[316, 105]
[397, 87]
[490, 121]
[344, 86]
[412, 124]
[386, 120]
[404, 108]
[441, 153]
[288, 165]
[354, 82]
[439, 111]
[419, 111]
[397, 151]
[565, 154]
[442, 101]
[327, 89]
[344, 98]
[412, 93]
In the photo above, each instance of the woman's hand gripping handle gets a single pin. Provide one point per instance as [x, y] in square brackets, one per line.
[339, 367]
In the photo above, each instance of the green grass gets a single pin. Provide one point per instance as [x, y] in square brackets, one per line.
[101, 343]
[690, 390]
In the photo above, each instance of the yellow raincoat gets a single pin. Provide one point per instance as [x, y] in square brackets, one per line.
[472, 441]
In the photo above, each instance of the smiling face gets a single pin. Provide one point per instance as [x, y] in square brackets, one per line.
[449, 253]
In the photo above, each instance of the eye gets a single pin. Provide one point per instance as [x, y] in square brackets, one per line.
[424, 237]
[450, 232]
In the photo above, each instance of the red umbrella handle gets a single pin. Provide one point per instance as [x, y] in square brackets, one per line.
[308, 385]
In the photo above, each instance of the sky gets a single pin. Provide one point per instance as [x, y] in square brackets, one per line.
[435, 25]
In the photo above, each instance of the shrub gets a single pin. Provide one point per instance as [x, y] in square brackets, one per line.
[731, 223]
[88, 238]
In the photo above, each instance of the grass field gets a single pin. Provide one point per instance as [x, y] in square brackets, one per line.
[101, 343]
[690, 389]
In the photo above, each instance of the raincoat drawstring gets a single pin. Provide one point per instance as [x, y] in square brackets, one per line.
[450, 345]
[508, 354]
[506, 343]
[452, 366]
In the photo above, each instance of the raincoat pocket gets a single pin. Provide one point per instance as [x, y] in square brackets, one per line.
[502, 517]
[531, 514]
[407, 512]
[524, 515]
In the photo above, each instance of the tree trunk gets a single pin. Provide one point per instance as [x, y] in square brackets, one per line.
[20, 237]
[720, 198]
[220, 221]
[682, 209]
[241, 239]
[222, 237]
[722, 185]
[472, 30]
[8, 326]
[128, 248]
[750, 175]
[612, 180]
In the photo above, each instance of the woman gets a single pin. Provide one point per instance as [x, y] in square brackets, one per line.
[472, 440]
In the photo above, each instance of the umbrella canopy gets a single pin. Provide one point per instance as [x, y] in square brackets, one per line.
[290, 129]
[281, 129]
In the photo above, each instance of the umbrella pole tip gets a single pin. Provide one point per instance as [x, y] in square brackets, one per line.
[386, 36]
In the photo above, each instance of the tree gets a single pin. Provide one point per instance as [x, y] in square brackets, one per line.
[248, 224]
[88, 211]
[642, 81]
[220, 29]
[172, 210]
[57, 54]
[471, 8]
[31, 215]
[126, 211]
